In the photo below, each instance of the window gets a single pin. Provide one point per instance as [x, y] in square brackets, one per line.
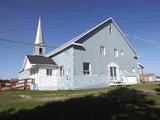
[102, 50]
[67, 52]
[40, 50]
[49, 72]
[133, 69]
[86, 68]
[61, 70]
[116, 53]
[122, 53]
[110, 29]
[135, 57]
[33, 71]
[113, 72]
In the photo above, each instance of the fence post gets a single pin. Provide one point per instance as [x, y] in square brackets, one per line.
[25, 84]
[14, 84]
[11, 84]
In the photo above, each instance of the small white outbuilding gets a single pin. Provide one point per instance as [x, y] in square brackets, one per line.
[42, 69]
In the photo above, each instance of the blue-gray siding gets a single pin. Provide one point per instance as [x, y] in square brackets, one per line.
[91, 53]
[72, 58]
[65, 58]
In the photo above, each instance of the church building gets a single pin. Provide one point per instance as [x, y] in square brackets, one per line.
[99, 57]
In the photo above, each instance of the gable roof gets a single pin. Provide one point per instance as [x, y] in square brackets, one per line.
[35, 59]
[74, 40]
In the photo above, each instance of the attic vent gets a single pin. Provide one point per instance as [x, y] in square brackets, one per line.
[122, 53]
[135, 57]
[110, 29]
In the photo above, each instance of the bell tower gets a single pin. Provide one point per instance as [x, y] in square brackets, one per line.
[39, 48]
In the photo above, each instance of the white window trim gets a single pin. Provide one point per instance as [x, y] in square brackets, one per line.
[116, 52]
[50, 72]
[133, 69]
[34, 71]
[102, 50]
[89, 68]
[122, 52]
[62, 71]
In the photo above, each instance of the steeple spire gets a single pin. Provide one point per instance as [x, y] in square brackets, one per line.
[39, 48]
[39, 35]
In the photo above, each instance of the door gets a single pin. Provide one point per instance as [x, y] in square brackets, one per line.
[113, 73]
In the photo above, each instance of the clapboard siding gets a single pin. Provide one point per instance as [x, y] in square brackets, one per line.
[42, 81]
[47, 82]
[99, 63]
[65, 58]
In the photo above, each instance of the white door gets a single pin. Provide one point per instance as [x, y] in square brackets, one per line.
[113, 73]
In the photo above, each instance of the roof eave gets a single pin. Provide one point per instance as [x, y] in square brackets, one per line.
[57, 51]
[43, 64]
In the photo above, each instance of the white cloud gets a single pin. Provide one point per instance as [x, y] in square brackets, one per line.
[145, 41]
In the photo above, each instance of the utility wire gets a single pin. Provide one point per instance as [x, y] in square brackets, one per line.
[23, 43]
[15, 42]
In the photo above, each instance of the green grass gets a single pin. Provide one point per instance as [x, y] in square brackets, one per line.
[18, 100]
[13, 100]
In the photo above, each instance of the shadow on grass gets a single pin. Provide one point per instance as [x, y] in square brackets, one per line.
[119, 104]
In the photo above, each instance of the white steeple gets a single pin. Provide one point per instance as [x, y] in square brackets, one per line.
[39, 48]
[39, 35]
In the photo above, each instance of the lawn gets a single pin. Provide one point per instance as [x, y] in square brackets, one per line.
[110, 102]
[17, 100]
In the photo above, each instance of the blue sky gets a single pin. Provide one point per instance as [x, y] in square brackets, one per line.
[64, 19]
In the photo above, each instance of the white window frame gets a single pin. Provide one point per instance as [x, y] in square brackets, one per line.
[102, 50]
[61, 71]
[122, 52]
[87, 72]
[49, 72]
[34, 71]
[116, 52]
[113, 72]
[133, 69]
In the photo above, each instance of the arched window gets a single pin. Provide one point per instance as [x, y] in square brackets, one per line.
[40, 50]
